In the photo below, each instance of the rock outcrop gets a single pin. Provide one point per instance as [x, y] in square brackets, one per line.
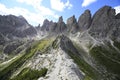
[103, 22]
[12, 26]
[46, 25]
[72, 25]
[84, 20]
[2, 39]
[61, 26]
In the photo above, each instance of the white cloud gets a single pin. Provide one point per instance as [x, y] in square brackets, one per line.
[117, 9]
[59, 5]
[34, 18]
[39, 8]
[87, 2]
[31, 2]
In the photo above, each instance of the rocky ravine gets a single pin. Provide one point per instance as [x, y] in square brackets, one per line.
[87, 49]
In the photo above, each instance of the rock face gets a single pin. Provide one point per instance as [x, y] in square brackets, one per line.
[104, 23]
[2, 39]
[53, 27]
[13, 26]
[72, 25]
[118, 16]
[46, 25]
[12, 47]
[66, 43]
[61, 26]
[84, 20]
[49, 26]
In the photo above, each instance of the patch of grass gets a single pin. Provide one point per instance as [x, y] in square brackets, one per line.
[5, 64]
[87, 78]
[42, 45]
[6, 72]
[30, 74]
[117, 44]
[0, 51]
[111, 52]
[85, 67]
[99, 54]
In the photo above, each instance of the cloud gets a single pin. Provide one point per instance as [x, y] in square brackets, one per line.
[34, 18]
[87, 2]
[36, 4]
[30, 2]
[117, 9]
[59, 5]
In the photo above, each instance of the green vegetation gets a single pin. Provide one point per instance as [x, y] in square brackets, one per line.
[7, 63]
[0, 51]
[117, 44]
[7, 71]
[102, 56]
[85, 67]
[111, 52]
[43, 45]
[91, 73]
[55, 43]
[87, 78]
[30, 74]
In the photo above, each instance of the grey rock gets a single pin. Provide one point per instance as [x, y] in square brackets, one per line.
[84, 20]
[53, 27]
[61, 26]
[67, 45]
[114, 33]
[102, 22]
[72, 25]
[10, 47]
[14, 26]
[2, 39]
[118, 16]
[38, 28]
[45, 26]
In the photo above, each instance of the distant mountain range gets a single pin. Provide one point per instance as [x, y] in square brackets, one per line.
[87, 49]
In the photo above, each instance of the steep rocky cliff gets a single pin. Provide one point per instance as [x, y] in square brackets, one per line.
[12, 26]
[105, 24]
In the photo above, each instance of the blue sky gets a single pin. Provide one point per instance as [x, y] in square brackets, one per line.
[35, 11]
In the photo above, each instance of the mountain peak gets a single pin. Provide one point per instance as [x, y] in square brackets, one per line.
[60, 19]
[84, 20]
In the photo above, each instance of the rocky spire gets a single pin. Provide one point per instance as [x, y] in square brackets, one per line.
[61, 26]
[72, 25]
[84, 20]
[103, 22]
[60, 19]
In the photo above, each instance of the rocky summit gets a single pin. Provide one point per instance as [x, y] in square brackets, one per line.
[83, 49]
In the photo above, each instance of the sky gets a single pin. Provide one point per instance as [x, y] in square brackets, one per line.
[36, 11]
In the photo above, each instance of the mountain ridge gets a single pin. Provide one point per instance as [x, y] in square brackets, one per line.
[87, 49]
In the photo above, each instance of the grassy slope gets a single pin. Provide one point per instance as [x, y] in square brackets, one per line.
[6, 72]
[30, 74]
[90, 72]
[85, 67]
[108, 57]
